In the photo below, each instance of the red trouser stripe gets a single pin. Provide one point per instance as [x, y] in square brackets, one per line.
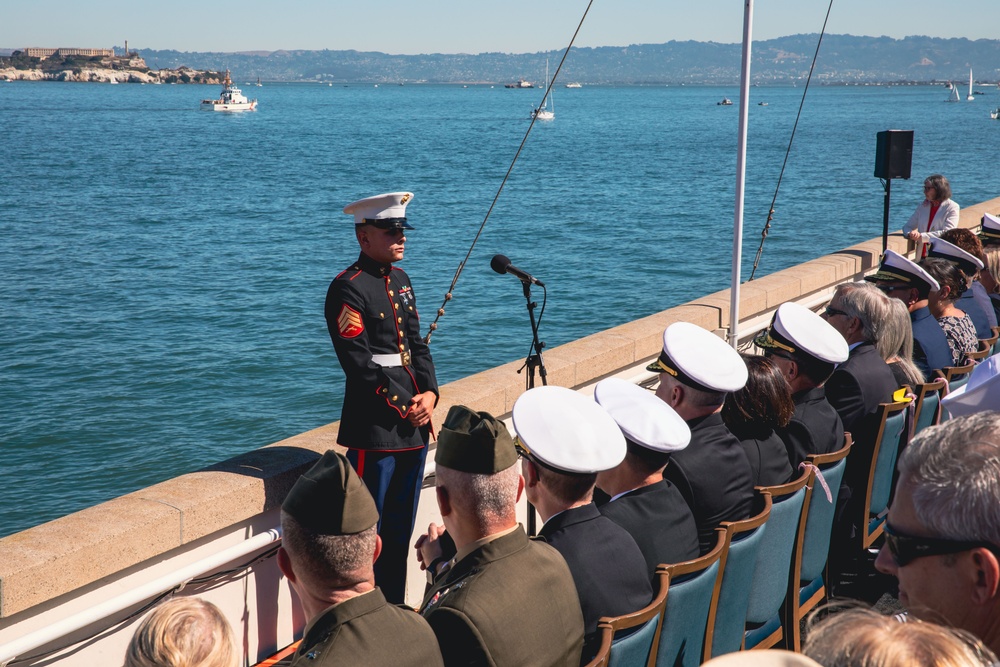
[361, 463]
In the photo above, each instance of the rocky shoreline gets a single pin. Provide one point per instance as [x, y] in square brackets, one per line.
[104, 75]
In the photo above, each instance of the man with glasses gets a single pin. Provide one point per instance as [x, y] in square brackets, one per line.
[899, 278]
[391, 389]
[806, 349]
[855, 390]
[942, 535]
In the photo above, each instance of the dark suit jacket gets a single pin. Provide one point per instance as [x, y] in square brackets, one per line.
[660, 521]
[855, 390]
[510, 602]
[714, 476]
[930, 344]
[768, 459]
[606, 564]
[816, 428]
[366, 630]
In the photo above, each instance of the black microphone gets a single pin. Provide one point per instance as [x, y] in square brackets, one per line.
[502, 265]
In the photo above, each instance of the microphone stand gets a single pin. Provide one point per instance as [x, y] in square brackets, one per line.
[533, 362]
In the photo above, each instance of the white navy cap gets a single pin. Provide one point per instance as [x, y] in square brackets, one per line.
[967, 262]
[981, 392]
[387, 211]
[567, 431]
[699, 359]
[896, 268]
[797, 329]
[644, 419]
[990, 233]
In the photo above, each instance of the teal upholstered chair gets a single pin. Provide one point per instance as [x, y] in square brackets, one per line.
[809, 576]
[685, 628]
[637, 649]
[731, 598]
[765, 625]
[927, 405]
[892, 428]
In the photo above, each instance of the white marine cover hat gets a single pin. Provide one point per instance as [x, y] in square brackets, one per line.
[895, 267]
[796, 329]
[644, 419]
[700, 359]
[567, 431]
[981, 392]
[991, 228]
[386, 211]
[768, 658]
[967, 262]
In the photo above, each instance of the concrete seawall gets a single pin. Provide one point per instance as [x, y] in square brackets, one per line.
[44, 566]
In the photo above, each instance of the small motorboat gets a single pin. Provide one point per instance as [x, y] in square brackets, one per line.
[762, 104]
[995, 114]
[726, 102]
[231, 99]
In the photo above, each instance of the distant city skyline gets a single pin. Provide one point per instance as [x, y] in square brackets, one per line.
[468, 26]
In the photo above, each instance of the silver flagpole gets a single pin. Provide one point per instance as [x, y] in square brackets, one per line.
[734, 292]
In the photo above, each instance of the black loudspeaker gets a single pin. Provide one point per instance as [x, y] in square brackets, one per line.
[893, 154]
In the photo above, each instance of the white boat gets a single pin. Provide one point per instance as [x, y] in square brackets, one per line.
[954, 94]
[971, 96]
[230, 99]
[995, 114]
[726, 102]
[574, 85]
[543, 112]
[521, 83]
[113, 80]
[258, 84]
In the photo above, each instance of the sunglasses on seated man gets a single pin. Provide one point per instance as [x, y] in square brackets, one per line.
[907, 548]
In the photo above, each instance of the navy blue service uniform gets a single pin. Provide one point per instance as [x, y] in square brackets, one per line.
[660, 521]
[714, 476]
[371, 310]
[815, 428]
[930, 345]
[607, 567]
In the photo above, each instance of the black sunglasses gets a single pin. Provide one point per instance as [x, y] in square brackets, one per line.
[768, 353]
[889, 289]
[830, 312]
[907, 548]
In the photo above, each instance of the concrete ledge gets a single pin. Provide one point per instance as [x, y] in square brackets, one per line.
[56, 558]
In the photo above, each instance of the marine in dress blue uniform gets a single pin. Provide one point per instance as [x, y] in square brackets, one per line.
[391, 388]
[567, 439]
[805, 348]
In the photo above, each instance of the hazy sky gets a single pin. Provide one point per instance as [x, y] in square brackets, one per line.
[466, 26]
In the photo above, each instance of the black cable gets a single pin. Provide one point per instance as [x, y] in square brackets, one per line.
[770, 213]
[461, 265]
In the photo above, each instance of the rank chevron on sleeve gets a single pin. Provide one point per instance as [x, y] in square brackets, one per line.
[349, 322]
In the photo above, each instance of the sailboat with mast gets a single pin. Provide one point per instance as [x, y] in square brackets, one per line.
[544, 112]
[971, 96]
[953, 96]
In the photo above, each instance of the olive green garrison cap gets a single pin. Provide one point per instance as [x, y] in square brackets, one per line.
[474, 442]
[330, 498]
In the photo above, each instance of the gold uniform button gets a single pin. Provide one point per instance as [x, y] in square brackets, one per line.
[402, 347]
[400, 334]
[411, 307]
[395, 398]
[399, 319]
[391, 293]
[382, 315]
[396, 305]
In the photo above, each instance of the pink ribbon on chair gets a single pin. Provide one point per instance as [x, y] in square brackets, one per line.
[819, 477]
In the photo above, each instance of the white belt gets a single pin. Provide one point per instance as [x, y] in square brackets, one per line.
[388, 360]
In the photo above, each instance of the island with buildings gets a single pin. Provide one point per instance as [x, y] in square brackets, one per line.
[94, 65]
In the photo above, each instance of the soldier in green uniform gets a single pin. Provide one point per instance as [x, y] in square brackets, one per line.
[498, 598]
[329, 544]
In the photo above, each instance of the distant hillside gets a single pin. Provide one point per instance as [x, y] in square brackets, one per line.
[843, 58]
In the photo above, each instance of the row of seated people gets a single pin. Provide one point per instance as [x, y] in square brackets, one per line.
[672, 466]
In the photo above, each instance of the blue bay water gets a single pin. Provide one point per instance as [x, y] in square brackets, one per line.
[164, 268]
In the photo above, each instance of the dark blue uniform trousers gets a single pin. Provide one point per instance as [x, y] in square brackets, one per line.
[394, 479]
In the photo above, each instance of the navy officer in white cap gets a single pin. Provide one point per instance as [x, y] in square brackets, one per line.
[697, 369]
[642, 502]
[900, 278]
[566, 440]
[391, 389]
[963, 249]
[989, 233]
[806, 349]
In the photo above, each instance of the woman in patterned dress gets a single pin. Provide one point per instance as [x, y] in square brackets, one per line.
[956, 324]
